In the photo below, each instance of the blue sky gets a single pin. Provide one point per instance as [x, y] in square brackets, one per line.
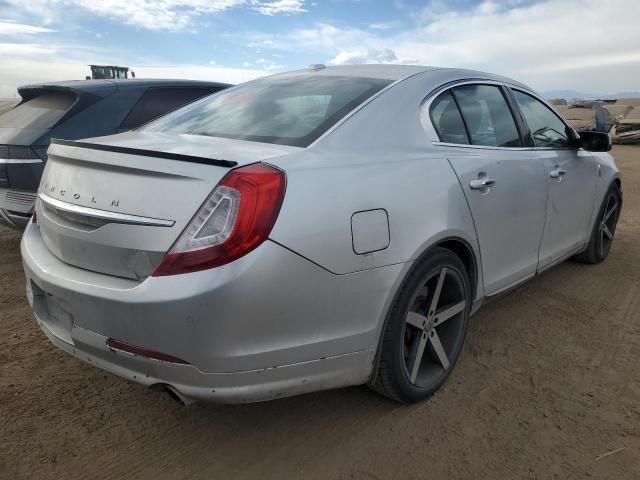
[587, 45]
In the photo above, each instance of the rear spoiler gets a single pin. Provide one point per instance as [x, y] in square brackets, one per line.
[145, 153]
[76, 88]
[82, 98]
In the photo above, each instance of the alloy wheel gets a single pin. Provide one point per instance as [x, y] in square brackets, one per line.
[608, 224]
[434, 327]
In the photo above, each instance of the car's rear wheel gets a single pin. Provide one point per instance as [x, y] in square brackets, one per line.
[425, 329]
[604, 229]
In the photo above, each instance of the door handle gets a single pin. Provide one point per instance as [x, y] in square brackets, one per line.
[481, 183]
[557, 173]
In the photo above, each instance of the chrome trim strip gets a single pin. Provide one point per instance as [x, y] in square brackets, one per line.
[489, 147]
[106, 216]
[20, 160]
[480, 147]
[425, 106]
[428, 99]
[425, 118]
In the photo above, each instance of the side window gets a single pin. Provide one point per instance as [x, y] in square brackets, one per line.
[547, 130]
[447, 120]
[487, 116]
[158, 101]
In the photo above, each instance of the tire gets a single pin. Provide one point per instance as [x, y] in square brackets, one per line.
[604, 228]
[420, 344]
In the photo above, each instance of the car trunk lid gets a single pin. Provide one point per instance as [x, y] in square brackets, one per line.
[115, 205]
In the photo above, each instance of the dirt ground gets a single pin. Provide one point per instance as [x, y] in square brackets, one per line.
[548, 383]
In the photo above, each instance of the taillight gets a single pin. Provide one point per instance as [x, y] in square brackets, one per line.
[34, 217]
[235, 219]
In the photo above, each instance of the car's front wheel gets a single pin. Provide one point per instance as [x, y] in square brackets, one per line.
[604, 229]
[425, 329]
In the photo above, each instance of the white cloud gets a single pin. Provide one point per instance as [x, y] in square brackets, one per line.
[317, 39]
[382, 25]
[12, 28]
[214, 73]
[24, 63]
[269, 65]
[583, 44]
[280, 6]
[172, 15]
[35, 63]
[368, 55]
[587, 45]
[153, 15]
[549, 43]
[24, 49]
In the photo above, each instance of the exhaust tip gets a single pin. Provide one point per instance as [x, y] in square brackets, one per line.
[173, 393]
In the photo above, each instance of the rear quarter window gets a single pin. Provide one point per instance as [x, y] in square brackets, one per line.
[447, 120]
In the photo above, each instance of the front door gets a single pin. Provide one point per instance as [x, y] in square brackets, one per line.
[571, 177]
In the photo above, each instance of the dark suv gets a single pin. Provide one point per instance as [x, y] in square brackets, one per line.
[73, 110]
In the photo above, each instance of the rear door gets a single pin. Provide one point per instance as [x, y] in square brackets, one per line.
[505, 186]
[155, 102]
[571, 178]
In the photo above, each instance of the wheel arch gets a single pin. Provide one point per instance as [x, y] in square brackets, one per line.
[459, 247]
[464, 251]
[600, 195]
[618, 182]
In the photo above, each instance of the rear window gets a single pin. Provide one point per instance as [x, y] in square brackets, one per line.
[282, 110]
[43, 111]
[157, 101]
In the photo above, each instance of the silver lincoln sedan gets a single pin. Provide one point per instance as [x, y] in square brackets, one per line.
[311, 230]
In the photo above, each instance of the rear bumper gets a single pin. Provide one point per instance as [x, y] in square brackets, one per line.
[16, 207]
[271, 324]
[238, 387]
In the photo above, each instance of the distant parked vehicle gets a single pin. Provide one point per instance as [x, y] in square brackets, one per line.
[113, 72]
[72, 110]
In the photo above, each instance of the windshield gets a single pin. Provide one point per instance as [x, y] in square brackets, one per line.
[40, 112]
[283, 110]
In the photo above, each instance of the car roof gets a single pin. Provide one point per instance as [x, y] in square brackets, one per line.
[398, 72]
[97, 87]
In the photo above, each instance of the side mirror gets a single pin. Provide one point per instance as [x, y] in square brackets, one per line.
[595, 141]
